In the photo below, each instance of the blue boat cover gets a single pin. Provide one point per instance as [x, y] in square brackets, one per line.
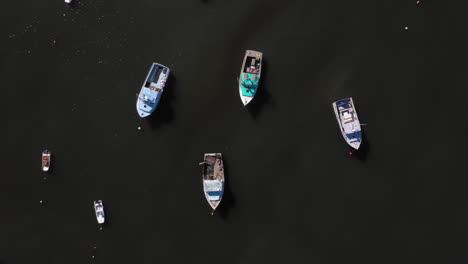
[151, 94]
[354, 136]
[215, 193]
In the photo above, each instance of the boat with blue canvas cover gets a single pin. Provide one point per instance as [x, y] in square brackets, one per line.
[213, 178]
[348, 121]
[250, 75]
[152, 89]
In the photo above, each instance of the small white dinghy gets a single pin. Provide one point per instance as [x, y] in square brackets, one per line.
[46, 160]
[99, 210]
[213, 178]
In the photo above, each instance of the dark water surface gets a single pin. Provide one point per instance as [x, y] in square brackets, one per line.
[69, 79]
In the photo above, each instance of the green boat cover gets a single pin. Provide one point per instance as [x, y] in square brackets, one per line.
[249, 84]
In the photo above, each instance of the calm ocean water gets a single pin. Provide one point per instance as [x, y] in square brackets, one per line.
[69, 78]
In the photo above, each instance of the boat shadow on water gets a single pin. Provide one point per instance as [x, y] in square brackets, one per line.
[164, 113]
[364, 149]
[228, 201]
[262, 97]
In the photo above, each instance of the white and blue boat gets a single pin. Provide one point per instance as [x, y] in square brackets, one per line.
[348, 121]
[213, 178]
[250, 75]
[99, 210]
[152, 89]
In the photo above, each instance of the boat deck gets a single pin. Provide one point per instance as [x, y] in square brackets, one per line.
[154, 75]
[252, 84]
[213, 169]
[252, 65]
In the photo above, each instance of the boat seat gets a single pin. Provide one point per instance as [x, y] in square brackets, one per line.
[252, 70]
[347, 116]
[154, 88]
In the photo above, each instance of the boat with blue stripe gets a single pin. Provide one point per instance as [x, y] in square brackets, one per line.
[152, 89]
[348, 121]
[213, 178]
[250, 75]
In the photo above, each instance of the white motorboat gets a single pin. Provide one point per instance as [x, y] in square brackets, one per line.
[213, 178]
[46, 160]
[99, 210]
[348, 121]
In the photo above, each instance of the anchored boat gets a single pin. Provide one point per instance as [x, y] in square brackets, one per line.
[99, 210]
[213, 178]
[250, 75]
[152, 89]
[348, 121]
[45, 160]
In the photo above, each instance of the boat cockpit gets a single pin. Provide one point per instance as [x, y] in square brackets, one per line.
[347, 116]
[254, 66]
[147, 99]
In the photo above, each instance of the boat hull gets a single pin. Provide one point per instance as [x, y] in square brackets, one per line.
[152, 89]
[250, 73]
[348, 122]
[213, 178]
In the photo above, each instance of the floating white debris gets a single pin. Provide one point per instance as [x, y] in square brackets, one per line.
[406, 28]
[40, 201]
[68, 1]
[139, 128]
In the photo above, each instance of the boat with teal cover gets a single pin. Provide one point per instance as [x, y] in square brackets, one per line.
[152, 89]
[250, 75]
